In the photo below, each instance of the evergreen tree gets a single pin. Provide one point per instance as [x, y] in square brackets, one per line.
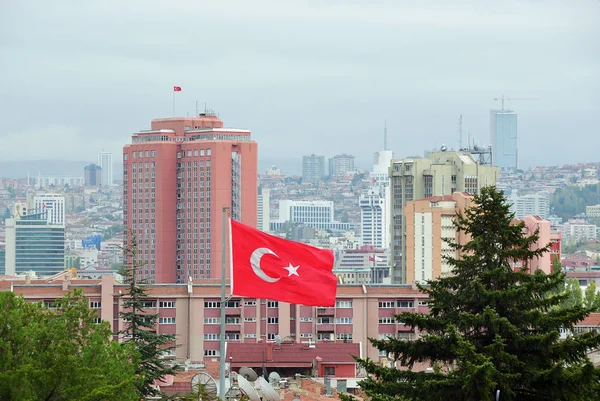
[590, 296]
[140, 327]
[490, 327]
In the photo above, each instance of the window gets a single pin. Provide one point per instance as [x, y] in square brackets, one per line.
[249, 303]
[343, 320]
[343, 336]
[212, 320]
[305, 335]
[233, 304]
[272, 304]
[148, 304]
[95, 304]
[382, 353]
[405, 304]
[232, 320]
[343, 304]
[166, 304]
[208, 152]
[97, 320]
[387, 320]
[212, 336]
[385, 336]
[249, 319]
[125, 156]
[273, 320]
[306, 319]
[166, 320]
[386, 304]
[249, 335]
[211, 352]
[212, 304]
[232, 336]
[325, 320]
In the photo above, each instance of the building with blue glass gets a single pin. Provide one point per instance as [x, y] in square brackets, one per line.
[503, 128]
[34, 244]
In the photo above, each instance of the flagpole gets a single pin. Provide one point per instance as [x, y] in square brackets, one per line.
[173, 102]
[222, 355]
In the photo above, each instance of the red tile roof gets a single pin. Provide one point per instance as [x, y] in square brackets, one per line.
[291, 354]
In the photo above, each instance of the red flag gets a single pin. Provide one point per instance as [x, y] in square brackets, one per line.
[371, 259]
[177, 89]
[265, 266]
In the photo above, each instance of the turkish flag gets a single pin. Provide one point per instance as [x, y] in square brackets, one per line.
[371, 259]
[265, 266]
[177, 89]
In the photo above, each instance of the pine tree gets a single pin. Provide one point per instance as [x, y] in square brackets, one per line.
[140, 326]
[490, 327]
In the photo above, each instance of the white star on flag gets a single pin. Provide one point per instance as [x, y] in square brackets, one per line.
[292, 270]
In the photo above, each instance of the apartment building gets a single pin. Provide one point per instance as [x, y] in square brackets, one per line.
[192, 312]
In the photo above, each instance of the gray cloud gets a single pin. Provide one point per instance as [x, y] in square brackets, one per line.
[306, 76]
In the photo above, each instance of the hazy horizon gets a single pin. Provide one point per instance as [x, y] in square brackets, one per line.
[306, 77]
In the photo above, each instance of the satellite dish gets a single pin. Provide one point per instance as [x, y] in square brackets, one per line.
[274, 378]
[209, 384]
[278, 339]
[248, 374]
[248, 389]
[268, 392]
[444, 148]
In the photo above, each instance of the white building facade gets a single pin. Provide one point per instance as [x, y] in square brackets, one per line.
[374, 216]
[105, 161]
[530, 205]
[263, 210]
[52, 206]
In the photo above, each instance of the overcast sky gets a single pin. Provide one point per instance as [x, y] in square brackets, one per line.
[306, 76]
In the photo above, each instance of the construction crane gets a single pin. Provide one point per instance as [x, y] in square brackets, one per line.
[502, 99]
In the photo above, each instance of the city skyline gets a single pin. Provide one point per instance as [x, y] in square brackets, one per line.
[418, 66]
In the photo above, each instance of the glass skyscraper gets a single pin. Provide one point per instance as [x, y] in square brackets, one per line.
[503, 127]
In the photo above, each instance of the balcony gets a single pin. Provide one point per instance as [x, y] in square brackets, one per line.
[324, 327]
[237, 312]
[325, 311]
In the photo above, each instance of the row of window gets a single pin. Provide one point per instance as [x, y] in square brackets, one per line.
[396, 304]
[195, 152]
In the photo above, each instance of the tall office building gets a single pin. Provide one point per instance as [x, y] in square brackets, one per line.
[51, 206]
[263, 209]
[105, 163]
[33, 243]
[177, 178]
[441, 173]
[340, 165]
[92, 175]
[317, 214]
[313, 167]
[503, 128]
[375, 216]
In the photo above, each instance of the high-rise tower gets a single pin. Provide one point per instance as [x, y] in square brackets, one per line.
[105, 163]
[177, 178]
[503, 136]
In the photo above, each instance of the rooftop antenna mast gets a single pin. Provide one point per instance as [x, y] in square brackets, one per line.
[385, 135]
[460, 133]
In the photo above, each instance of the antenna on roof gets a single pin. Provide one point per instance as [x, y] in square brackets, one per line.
[385, 135]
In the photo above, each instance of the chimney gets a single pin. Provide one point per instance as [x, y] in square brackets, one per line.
[270, 346]
[65, 283]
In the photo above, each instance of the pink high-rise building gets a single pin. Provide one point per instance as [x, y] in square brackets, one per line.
[177, 178]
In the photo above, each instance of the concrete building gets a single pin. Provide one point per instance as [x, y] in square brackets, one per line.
[441, 173]
[192, 312]
[428, 222]
[313, 167]
[263, 209]
[530, 205]
[316, 214]
[575, 232]
[52, 206]
[92, 175]
[33, 243]
[366, 265]
[381, 166]
[375, 216]
[177, 178]
[58, 181]
[339, 165]
[503, 129]
[105, 163]
[592, 211]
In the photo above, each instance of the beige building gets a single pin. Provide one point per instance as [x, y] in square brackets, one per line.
[428, 221]
[592, 211]
[441, 173]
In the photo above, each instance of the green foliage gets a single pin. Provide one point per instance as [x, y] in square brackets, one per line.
[112, 231]
[490, 327]
[61, 354]
[572, 200]
[140, 328]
